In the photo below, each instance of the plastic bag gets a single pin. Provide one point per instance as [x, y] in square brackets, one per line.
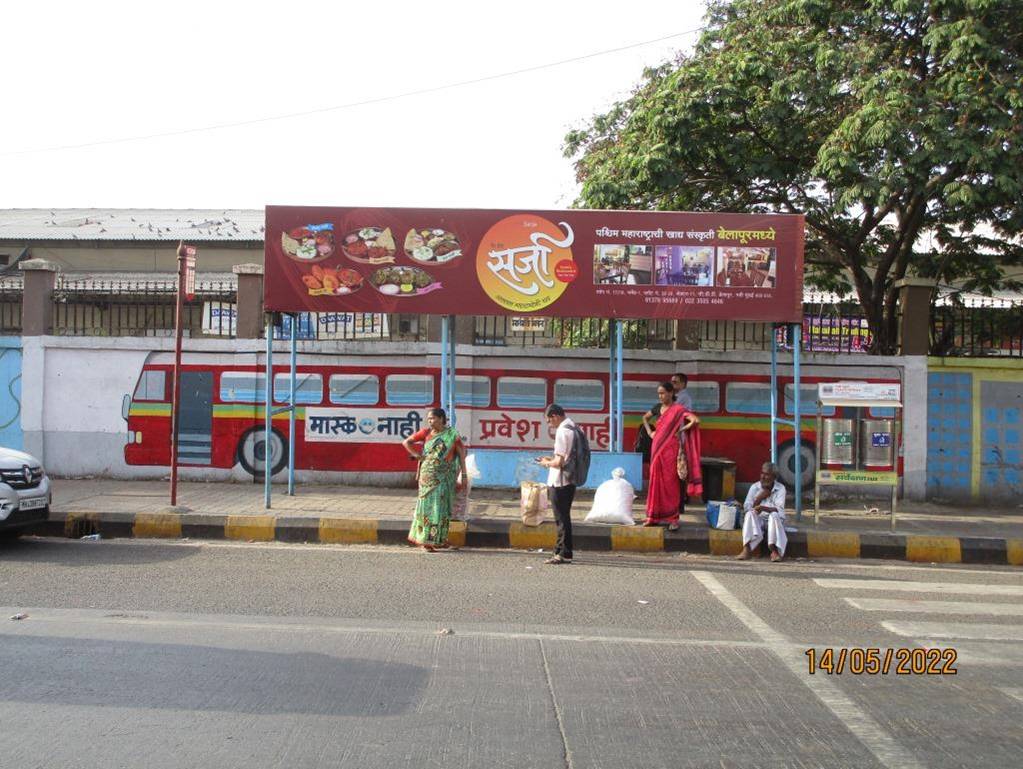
[723, 515]
[533, 502]
[460, 503]
[613, 501]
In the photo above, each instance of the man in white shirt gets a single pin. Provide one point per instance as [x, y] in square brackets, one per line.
[764, 506]
[561, 489]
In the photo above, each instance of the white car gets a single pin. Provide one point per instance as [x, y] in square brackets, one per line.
[24, 490]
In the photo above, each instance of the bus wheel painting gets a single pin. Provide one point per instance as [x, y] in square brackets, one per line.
[787, 463]
[252, 451]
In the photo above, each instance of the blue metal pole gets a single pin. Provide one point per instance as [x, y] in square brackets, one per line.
[444, 364]
[619, 420]
[774, 393]
[797, 344]
[452, 377]
[611, 378]
[268, 408]
[291, 403]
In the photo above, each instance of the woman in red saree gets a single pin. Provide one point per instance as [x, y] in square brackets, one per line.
[677, 430]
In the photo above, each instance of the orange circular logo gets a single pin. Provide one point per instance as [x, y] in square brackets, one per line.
[524, 262]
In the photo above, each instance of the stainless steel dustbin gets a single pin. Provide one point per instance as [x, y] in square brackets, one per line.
[876, 442]
[838, 442]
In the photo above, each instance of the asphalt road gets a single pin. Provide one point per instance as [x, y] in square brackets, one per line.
[202, 654]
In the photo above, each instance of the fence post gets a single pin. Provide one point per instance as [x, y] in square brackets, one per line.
[37, 300]
[250, 300]
[915, 325]
[687, 335]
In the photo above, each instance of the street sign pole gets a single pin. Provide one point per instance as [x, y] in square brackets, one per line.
[186, 285]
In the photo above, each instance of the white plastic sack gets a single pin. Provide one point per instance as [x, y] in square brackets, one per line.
[533, 502]
[613, 501]
[470, 467]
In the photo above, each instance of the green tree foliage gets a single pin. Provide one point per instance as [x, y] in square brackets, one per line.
[893, 125]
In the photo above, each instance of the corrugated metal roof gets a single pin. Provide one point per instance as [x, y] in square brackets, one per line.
[147, 224]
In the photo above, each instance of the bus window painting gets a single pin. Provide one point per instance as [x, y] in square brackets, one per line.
[352, 417]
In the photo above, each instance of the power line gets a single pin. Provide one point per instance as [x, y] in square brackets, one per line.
[349, 105]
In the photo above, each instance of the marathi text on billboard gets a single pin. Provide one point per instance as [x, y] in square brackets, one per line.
[617, 264]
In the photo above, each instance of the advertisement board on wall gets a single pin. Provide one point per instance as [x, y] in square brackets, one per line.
[616, 264]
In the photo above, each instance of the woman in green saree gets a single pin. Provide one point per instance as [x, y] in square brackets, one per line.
[441, 457]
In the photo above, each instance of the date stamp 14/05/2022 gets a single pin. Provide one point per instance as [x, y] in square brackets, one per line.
[876, 661]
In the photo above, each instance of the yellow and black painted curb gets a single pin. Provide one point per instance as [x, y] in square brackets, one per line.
[506, 533]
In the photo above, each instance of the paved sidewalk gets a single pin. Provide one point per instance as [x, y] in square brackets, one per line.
[924, 531]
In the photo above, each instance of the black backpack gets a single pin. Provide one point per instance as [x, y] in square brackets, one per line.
[577, 466]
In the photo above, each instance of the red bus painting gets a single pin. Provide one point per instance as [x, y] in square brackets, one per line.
[352, 415]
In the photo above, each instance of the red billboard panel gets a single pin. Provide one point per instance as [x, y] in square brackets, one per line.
[614, 264]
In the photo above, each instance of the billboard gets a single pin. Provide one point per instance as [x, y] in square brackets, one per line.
[574, 263]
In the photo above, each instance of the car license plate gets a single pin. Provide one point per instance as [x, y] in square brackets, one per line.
[32, 504]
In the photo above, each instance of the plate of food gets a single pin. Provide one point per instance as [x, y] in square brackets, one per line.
[403, 281]
[330, 281]
[309, 243]
[370, 245]
[432, 245]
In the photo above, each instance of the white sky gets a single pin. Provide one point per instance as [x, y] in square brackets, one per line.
[90, 72]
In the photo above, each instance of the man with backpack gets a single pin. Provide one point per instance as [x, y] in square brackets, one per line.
[567, 467]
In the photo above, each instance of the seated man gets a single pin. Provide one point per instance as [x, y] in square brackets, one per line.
[765, 504]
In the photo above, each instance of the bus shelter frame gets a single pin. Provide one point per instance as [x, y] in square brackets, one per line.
[448, 372]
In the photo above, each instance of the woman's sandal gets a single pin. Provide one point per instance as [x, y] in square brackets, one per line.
[556, 560]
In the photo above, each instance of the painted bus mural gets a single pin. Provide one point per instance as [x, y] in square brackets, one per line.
[351, 416]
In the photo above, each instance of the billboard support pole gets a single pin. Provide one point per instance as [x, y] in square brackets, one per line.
[267, 409]
[794, 336]
[291, 406]
[774, 393]
[612, 377]
[797, 344]
[619, 390]
[454, 369]
[444, 333]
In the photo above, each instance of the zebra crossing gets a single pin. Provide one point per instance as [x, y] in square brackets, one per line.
[966, 625]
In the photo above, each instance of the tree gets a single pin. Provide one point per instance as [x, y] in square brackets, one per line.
[893, 125]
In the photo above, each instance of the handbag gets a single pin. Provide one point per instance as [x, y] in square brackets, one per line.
[682, 465]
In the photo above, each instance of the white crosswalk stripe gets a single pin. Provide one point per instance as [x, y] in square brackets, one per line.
[966, 630]
[965, 625]
[891, 585]
[942, 607]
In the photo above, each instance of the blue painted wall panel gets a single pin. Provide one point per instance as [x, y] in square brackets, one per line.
[10, 393]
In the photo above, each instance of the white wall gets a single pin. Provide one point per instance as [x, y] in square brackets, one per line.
[73, 386]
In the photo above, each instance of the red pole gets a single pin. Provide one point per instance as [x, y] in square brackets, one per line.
[176, 395]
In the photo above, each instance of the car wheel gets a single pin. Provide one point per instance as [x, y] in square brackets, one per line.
[787, 464]
[253, 449]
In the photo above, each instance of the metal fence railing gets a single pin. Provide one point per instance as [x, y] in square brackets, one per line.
[147, 308]
[10, 305]
[140, 308]
[498, 330]
[992, 328]
[352, 326]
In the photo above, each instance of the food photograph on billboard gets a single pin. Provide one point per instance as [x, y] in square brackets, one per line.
[615, 264]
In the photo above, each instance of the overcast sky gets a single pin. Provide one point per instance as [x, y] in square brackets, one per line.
[88, 73]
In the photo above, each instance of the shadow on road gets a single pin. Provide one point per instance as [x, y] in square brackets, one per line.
[126, 674]
[87, 554]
